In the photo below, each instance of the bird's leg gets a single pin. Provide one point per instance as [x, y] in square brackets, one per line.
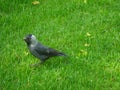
[42, 61]
[36, 64]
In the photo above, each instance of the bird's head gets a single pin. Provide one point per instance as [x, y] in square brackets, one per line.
[30, 39]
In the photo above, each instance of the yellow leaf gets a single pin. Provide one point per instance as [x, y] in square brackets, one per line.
[35, 2]
[83, 52]
[85, 1]
[88, 34]
[87, 45]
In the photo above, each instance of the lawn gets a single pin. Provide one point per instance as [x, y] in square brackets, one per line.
[88, 31]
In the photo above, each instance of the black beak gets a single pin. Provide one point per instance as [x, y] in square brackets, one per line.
[24, 39]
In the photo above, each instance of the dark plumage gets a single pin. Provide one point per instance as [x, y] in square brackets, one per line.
[38, 50]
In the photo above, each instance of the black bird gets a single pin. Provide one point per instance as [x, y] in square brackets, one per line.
[38, 50]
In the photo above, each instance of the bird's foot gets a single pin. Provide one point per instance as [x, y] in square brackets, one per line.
[35, 65]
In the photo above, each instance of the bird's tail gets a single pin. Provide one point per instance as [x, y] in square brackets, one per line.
[62, 54]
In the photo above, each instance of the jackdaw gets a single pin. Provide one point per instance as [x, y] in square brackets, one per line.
[38, 50]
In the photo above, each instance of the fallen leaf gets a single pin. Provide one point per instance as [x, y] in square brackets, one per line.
[87, 45]
[85, 1]
[83, 52]
[35, 2]
[88, 34]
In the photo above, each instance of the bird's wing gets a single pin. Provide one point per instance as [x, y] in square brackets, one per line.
[47, 51]
[41, 49]
[53, 52]
[38, 55]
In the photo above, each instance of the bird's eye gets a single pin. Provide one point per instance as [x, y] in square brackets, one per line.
[28, 38]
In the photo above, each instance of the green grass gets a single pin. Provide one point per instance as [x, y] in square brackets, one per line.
[61, 24]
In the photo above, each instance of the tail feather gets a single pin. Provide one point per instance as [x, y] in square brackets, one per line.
[53, 52]
[61, 54]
